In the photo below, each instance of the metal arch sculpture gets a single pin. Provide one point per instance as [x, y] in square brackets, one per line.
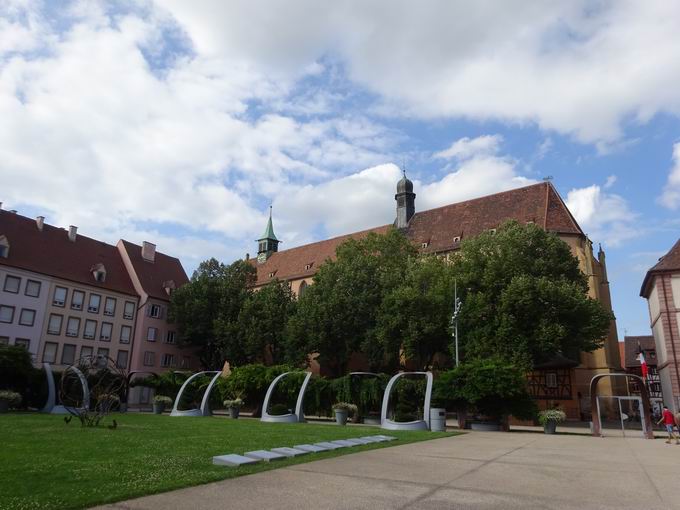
[204, 410]
[299, 415]
[597, 425]
[423, 424]
[51, 404]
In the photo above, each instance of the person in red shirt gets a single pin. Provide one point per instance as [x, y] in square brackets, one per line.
[669, 421]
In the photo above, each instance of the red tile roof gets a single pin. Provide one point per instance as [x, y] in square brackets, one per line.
[50, 252]
[538, 203]
[668, 263]
[152, 275]
[292, 264]
[646, 342]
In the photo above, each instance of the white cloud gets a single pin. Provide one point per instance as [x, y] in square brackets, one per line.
[670, 197]
[611, 180]
[574, 67]
[603, 216]
[468, 147]
[366, 199]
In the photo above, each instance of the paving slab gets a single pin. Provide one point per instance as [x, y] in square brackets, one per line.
[289, 452]
[342, 443]
[328, 445]
[233, 460]
[311, 448]
[264, 455]
[357, 441]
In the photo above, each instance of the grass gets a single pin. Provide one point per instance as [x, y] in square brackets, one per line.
[49, 464]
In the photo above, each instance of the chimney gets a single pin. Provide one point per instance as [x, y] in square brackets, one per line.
[148, 251]
[247, 257]
[72, 232]
[40, 221]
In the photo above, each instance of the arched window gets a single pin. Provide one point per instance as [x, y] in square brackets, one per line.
[303, 288]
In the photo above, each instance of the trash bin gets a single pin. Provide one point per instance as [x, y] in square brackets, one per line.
[438, 419]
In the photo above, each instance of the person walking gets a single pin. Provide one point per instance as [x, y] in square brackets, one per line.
[669, 421]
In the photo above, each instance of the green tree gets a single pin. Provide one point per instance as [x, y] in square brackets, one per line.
[414, 318]
[262, 321]
[524, 297]
[338, 314]
[206, 310]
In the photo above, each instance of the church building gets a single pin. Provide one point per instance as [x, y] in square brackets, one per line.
[440, 231]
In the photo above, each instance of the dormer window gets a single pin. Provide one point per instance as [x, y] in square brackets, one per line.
[99, 272]
[309, 266]
[425, 244]
[169, 287]
[492, 230]
[271, 274]
[4, 247]
[456, 239]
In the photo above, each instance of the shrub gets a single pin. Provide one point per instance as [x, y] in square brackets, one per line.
[250, 382]
[162, 399]
[167, 383]
[233, 404]
[556, 415]
[11, 397]
[18, 374]
[493, 388]
[279, 409]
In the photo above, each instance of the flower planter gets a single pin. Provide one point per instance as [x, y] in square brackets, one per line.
[341, 416]
[4, 406]
[234, 412]
[550, 427]
[158, 408]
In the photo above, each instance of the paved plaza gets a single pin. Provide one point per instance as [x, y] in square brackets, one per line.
[476, 470]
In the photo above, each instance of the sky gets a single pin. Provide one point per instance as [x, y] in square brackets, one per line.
[180, 122]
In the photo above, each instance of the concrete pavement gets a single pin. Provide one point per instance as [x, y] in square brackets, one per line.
[477, 470]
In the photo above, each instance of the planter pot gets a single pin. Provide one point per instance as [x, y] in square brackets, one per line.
[4, 406]
[234, 411]
[158, 408]
[550, 427]
[341, 417]
[486, 427]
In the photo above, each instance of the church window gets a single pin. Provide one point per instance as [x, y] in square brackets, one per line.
[303, 288]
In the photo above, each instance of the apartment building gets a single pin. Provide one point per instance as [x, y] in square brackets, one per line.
[64, 296]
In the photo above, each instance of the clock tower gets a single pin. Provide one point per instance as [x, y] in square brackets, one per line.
[267, 243]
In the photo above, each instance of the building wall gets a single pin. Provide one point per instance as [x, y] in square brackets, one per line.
[665, 323]
[78, 344]
[11, 332]
[165, 354]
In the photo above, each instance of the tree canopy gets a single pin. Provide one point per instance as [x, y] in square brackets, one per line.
[524, 297]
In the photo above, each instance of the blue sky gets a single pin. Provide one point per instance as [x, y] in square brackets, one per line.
[181, 122]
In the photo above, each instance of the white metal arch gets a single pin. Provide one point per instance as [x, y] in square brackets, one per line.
[50, 405]
[299, 415]
[423, 424]
[204, 410]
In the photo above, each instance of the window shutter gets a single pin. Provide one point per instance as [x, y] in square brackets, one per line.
[148, 310]
[161, 315]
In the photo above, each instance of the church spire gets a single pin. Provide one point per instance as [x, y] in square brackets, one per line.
[406, 201]
[268, 243]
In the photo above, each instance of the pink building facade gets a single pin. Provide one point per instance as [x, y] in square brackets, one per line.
[64, 295]
[661, 288]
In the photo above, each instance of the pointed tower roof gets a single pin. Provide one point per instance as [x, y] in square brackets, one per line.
[269, 231]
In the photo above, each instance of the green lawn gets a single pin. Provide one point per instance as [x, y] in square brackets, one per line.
[48, 464]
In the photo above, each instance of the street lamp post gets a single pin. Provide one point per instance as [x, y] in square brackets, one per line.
[454, 318]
